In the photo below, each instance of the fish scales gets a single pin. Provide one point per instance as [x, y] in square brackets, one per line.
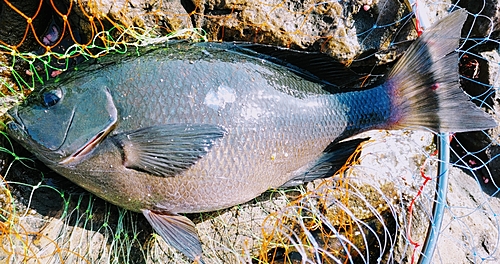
[187, 128]
[268, 130]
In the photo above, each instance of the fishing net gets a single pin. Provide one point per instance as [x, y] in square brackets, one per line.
[380, 208]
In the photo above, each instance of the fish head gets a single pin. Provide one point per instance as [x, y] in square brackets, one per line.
[63, 122]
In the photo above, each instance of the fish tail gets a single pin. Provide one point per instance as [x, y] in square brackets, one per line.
[424, 84]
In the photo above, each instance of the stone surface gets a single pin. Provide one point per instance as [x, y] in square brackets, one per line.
[11, 21]
[470, 231]
[345, 30]
[487, 19]
[491, 174]
[165, 15]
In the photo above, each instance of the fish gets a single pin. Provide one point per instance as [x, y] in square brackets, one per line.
[194, 127]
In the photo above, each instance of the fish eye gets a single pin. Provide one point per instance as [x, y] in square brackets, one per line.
[52, 97]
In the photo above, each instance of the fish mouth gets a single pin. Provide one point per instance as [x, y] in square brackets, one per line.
[82, 152]
[14, 119]
[15, 125]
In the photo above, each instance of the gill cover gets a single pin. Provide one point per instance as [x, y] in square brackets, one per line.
[66, 119]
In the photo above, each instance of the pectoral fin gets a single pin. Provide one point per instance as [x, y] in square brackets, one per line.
[178, 231]
[167, 150]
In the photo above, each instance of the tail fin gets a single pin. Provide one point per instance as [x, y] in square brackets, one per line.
[424, 83]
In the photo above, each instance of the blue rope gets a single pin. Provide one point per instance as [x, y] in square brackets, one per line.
[440, 200]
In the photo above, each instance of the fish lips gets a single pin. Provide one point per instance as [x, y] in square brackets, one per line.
[15, 126]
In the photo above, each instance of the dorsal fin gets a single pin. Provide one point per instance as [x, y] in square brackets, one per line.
[311, 65]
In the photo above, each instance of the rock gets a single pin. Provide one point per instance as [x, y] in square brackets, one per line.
[13, 24]
[486, 21]
[481, 73]
[470, 227]
[165, 15]
[491, 177]
[343, 30]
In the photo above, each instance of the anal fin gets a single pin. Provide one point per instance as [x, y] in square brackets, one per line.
[178, 231]
[334, 157]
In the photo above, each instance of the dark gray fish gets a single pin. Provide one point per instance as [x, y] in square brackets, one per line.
[199, 127]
